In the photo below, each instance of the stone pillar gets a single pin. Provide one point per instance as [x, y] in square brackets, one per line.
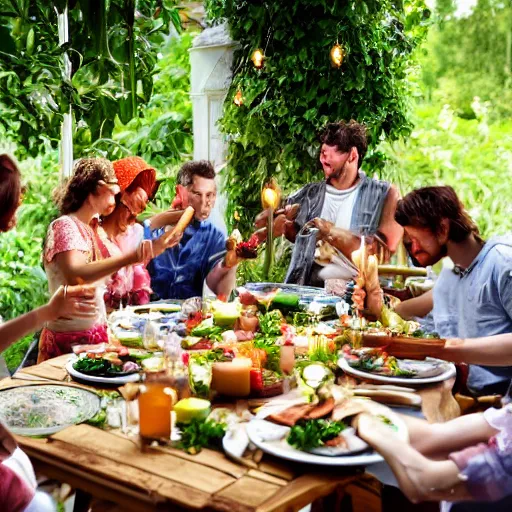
[211, 57]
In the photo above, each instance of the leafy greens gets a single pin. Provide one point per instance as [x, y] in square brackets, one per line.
[306, 435]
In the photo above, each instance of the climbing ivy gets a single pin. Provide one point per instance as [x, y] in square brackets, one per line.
[285, 104]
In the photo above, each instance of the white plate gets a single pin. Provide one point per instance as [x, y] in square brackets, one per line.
[280, 448]
[118, 381]
[447, 374]
[62, 405]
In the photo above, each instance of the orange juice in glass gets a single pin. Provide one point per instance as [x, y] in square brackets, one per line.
[155, 405]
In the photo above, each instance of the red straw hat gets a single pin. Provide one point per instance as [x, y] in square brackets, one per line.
[134, 169]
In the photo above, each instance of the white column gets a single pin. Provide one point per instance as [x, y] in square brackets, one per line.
[66, 143]
[211, 57]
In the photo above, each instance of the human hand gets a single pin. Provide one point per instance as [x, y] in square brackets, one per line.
[368, 293]
[156, 247]
[238, 250]
[261, 219]
[72, 302]
[324, 227]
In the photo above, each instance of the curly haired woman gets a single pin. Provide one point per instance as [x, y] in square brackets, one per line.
[72, 254]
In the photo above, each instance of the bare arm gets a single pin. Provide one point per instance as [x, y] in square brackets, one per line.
[221, 280]
[168, 218]
[388, 226]
[416, 307]
[76, 270]
[421, 478]
[77, 301]
[440, 439]
[489, 351]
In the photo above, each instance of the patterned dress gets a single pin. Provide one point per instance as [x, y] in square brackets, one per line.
[129, 285]
[67, 233]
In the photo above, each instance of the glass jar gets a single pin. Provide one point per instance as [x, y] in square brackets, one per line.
[155, 405]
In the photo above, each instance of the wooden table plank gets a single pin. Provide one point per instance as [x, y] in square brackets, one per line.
[127, 453]
[249, 491]
[304, 490]
[46, 371]
[93, 469]
[208, 458]
[266, 478]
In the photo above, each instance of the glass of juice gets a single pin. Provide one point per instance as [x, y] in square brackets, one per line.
[155, 405]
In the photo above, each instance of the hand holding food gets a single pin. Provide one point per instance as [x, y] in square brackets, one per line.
[184, 221]
[368, 291]
[150, 249]
[284, 223]
[238, 250]
[324, 227]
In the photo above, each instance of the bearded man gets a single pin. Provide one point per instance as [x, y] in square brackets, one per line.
[346, 204]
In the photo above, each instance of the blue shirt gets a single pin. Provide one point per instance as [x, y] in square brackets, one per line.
[478, 303]
[179, 272]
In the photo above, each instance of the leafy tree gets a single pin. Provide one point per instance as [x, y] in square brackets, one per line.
[162, 135]
[113, 52]
[274, 132]
[470, 56]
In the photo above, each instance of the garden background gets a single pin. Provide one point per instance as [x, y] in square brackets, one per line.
[446, 119]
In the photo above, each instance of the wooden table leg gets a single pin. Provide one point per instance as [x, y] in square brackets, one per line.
[82, 501]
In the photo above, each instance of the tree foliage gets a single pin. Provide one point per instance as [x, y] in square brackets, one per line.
[162, 135]
[274, 132]
[471, 55]
[113, 51]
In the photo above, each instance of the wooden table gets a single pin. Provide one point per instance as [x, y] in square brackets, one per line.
[110, 465]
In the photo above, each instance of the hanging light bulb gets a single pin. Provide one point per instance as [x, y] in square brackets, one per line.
[238, 100]
[258, 58]
[337, 55]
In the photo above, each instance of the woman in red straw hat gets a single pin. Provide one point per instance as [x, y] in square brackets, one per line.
[120, 233]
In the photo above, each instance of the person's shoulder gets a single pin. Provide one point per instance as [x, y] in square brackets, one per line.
[501, 250]
[383, 185]
[62, 224]
[63, 220]
[309, 186]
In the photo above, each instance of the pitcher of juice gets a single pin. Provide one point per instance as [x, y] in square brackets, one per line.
[155, 405]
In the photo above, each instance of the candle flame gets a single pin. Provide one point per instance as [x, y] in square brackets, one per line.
[271, 195]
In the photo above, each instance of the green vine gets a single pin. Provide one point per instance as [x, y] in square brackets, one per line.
[287, 102]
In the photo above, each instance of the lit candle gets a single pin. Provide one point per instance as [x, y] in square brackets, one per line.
[270, 199]
[232, 378]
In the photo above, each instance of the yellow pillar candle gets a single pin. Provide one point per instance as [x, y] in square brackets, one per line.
[234, 378]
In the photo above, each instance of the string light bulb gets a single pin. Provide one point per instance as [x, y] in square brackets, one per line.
[238, 100]
[337, 55]
[258, 58]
